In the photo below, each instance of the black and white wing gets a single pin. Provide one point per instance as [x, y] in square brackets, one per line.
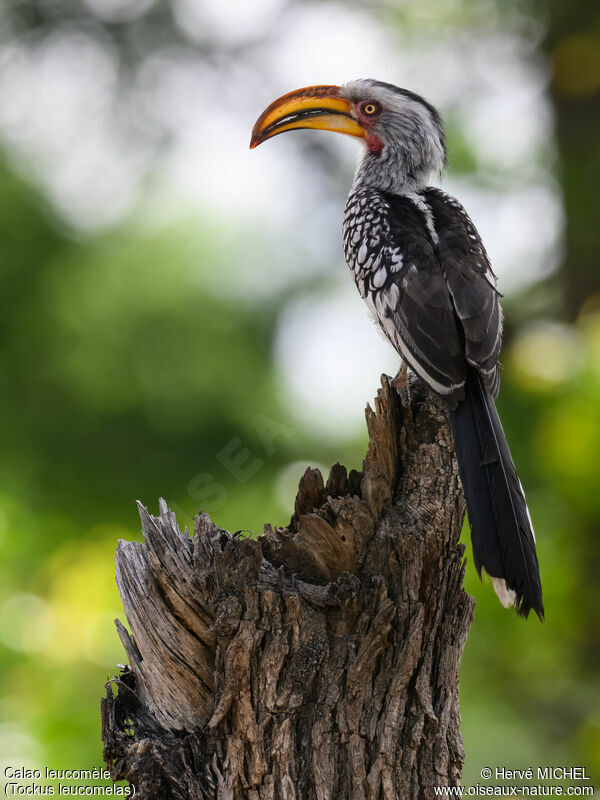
[391, 254]
[471, 282]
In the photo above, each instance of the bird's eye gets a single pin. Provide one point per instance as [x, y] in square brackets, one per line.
[370, 109]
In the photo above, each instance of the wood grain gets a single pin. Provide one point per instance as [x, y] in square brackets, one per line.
[319, 662]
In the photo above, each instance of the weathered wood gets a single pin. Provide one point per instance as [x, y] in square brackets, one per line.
[319, 662]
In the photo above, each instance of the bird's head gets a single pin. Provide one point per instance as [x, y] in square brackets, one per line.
[403, 133]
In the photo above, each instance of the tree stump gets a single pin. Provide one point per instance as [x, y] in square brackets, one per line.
[317, 662]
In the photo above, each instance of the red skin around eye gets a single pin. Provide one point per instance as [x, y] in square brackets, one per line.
[374, 143]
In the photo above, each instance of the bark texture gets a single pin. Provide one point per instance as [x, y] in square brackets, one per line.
[319, 662]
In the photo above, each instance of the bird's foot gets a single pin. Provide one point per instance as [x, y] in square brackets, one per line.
[400, 384]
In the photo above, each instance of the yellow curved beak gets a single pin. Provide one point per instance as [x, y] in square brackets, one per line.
[319, 107]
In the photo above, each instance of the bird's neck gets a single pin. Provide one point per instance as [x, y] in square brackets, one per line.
[389, 173]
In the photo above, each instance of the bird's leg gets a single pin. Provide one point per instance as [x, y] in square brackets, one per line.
[400, 384]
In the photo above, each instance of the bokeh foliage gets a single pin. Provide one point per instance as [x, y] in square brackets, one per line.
[126, 374]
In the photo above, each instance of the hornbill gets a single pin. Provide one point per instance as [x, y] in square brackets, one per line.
[419, 263]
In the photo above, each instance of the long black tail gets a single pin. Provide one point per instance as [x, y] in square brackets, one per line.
[501, 530]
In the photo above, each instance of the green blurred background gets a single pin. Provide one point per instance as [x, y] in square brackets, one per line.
[171, 303]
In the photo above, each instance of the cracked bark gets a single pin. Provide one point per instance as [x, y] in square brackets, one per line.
[319, 662]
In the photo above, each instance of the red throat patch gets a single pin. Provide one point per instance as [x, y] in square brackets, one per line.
[374, 144]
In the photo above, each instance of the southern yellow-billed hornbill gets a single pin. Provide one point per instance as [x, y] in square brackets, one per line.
[421, 267]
